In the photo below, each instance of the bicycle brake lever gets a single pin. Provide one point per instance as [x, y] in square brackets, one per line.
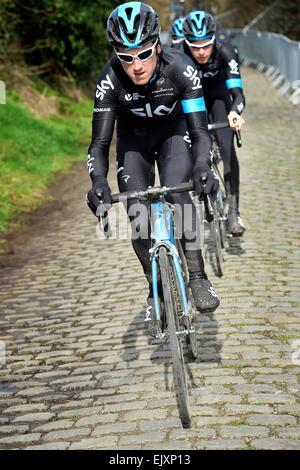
[237, 134]
[209, 212]
[238, 138]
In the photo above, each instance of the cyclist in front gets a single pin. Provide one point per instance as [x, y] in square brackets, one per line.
[155, 101]
[177, 35]
[218, 64]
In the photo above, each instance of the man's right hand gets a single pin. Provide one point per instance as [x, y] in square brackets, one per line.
[99, 195]
[235, 120]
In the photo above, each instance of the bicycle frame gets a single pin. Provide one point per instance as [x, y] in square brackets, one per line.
[162, 232]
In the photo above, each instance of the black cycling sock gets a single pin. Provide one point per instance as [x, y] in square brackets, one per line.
[195, 264]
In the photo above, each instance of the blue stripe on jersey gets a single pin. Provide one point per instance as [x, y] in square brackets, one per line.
[193, 105]
[234, 83]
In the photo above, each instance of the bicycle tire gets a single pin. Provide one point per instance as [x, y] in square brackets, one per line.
[220, 199]
[179, 372]
[191, 337]
[222, 233]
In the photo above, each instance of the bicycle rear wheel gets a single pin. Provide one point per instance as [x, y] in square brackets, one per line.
[170, 296]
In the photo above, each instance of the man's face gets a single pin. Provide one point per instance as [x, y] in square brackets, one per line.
[140, 72]
[201, 55]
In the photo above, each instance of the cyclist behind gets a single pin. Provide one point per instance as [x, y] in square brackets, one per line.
[223, 92]
[145, 91]
[177, 33]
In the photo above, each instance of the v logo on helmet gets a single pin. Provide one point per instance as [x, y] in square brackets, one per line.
[104, 85]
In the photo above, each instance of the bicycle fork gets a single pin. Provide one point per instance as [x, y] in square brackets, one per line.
[162, 233]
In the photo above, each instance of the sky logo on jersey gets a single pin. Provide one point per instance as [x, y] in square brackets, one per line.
[192, 74]
[210, 74]
[103, 87]
[234, 67]
[148, 112]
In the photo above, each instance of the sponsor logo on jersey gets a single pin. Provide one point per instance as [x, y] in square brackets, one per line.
[103, 87]
[90, 163]
[102, 110]
[133, 96]
[234, 67]
[162, 90]
[161, 81]
[193, 75]
[187, 139]
[147, 111]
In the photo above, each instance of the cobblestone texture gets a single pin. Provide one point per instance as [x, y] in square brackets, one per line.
[82, 374]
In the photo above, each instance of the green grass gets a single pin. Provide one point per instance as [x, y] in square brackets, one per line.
[33, 151]
[283, 338]
[237, 422]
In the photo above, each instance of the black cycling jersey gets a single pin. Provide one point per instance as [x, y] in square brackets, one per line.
[174, 91]
[223, 65]
[223, 92]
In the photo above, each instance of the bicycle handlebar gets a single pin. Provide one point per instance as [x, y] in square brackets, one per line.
[223, 125]
[163, 191]
[218, 125]
[152, 192]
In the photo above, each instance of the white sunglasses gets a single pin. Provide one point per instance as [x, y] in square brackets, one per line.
[201, 46]
[142, 56]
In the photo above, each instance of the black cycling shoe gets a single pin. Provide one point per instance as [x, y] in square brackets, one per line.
[206, 300]
[235, 225]
[153, 326]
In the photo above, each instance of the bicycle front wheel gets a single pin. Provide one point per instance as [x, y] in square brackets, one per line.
[170, 294]
[216, 236]
[191, 337]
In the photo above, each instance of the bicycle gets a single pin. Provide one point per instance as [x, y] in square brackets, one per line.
[173, 320]
[215, 210]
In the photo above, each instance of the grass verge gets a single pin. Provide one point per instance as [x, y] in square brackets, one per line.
[34, 150]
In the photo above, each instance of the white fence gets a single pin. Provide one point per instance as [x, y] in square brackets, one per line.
[272, 53]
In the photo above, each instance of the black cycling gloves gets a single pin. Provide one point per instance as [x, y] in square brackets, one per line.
[99, 194]
[210, 185]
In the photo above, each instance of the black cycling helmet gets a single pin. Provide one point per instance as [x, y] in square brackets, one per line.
[199, 25]
[132, 25]
[176, 30]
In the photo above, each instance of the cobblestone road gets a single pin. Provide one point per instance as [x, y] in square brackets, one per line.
[81, 373]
